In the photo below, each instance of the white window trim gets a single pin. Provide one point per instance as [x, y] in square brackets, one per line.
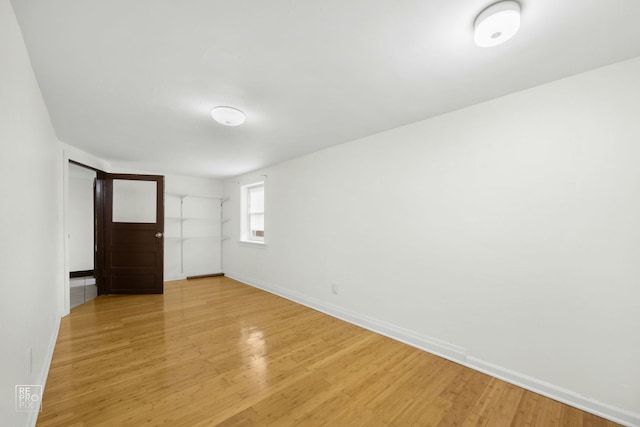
[252, 244]
[245, 239]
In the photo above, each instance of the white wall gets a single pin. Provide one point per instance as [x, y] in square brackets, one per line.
[31, 273]
[81, 218]
[505, 236]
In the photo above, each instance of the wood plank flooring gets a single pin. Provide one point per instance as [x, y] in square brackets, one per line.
[217, 352]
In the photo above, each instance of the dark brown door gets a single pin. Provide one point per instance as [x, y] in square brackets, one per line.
[133, 218]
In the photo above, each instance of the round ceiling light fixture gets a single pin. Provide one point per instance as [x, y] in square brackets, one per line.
[497, 23]
[228, 116]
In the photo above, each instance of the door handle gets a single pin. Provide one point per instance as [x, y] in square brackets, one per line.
[158, 235]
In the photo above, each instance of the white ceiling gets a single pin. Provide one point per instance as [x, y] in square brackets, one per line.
[133, 81]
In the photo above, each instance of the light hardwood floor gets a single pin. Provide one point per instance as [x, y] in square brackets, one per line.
[218, 352]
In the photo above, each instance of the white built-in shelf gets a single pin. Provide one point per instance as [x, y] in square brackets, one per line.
[167, 193]
[204, 237]
[202, 220]
[193, 218]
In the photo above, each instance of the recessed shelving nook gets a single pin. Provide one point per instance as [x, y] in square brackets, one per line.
[193, 235]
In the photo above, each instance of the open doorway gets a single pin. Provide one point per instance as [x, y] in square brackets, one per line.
[81, 234]
[115, 233]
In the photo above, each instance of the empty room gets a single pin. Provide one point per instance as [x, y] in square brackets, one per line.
[297, 213]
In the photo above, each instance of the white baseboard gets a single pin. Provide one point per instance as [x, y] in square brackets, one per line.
[432, 345]
[554, 392]
[171, 278]
[33, 416]
[451, 352]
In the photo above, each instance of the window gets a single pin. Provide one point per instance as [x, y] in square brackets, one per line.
[252, 221]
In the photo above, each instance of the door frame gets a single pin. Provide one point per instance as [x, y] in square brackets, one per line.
[95, 221]
[100, 206]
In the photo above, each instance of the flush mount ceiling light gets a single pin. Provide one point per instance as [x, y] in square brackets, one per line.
[228, 116]
[497, 23]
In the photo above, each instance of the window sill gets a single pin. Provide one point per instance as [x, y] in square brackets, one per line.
[252, 244]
